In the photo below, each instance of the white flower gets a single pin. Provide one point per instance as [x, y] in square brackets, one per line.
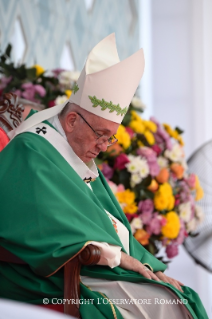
[138, 165]
[66, 77]
[136, 224]
[176, 154]
[185, 211]
[199, 213]
[135, 179]
[136, 102]
[143, 169]
[61, 99]
[162, 161]
[192, 225]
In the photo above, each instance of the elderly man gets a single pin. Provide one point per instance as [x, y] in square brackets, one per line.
[55, 202]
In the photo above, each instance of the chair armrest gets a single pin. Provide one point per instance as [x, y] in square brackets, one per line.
[89, 256]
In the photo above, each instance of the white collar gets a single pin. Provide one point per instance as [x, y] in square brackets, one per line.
[86, 171]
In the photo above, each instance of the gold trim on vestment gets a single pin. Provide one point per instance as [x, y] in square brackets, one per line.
[86, 244]
[112, 306]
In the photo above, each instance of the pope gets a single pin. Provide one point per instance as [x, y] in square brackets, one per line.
[54, 202]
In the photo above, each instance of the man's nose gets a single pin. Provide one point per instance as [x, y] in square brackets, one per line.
[103, 146]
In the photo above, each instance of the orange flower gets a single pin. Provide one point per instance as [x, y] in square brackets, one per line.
[142, 237]
[177, 169]
[163, 176]
[153, 187]
[115, 149]
[100, 166]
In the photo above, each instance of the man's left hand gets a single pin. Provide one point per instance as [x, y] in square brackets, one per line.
[177, 284]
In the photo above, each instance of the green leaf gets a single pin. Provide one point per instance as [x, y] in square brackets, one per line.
[179, 131]
[31, 73]
[8, 50]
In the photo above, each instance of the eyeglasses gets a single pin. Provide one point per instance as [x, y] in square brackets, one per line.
[101, 138]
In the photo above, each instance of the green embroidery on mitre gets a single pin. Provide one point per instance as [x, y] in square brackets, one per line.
[108, 105]
[75, 88]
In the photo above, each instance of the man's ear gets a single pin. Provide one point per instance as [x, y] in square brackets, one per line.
[70, 122]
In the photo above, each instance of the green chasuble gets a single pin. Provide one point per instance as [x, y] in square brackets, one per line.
[48, 214]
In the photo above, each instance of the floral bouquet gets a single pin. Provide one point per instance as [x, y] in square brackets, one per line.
[147, 172]
[34, 84]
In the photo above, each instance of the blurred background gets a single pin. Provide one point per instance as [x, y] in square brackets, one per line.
[177, 84]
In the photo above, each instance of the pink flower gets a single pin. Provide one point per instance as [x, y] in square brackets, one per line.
[120, 188]
[148, 153]
[181, 236]
[154, 226]
[191, 180]
[40, 90]
[146, 217]
[56, 72]
[146, 206]
[107, 171]
[4, 81]
[154, 168]
[172, 250]
[30, 90]
[17, 92]
[121, 161]
[129, 131]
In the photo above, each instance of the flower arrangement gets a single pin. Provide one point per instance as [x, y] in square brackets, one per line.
[147, 172]
[34, 83]
[146, 169]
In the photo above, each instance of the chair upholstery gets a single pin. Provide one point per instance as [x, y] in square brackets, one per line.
[10, 118]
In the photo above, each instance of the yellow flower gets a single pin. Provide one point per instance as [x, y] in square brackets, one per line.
[199, 193]
[68, 93]
[151, 126]
[123, 137]
[171, 202]
[164, 198]
[130, 209]
[166, 188]
[137, 126]
[172, 227]
[126, 196]
[167, 128]
[199, 190]
[180, 140]
[149, 137]
[135, 116]
[160, 201]
[39, 69]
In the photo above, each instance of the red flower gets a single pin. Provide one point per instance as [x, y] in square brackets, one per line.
[129, 131]
[121, 161]
[51, 103]
[157, 149]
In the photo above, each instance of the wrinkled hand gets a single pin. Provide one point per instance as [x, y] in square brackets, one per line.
[130, 263]
[147, 273]
[177, 284]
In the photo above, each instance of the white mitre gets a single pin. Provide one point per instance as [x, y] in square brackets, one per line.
[105, 87]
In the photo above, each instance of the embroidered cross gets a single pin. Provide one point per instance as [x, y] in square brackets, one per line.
[43, 130]
[88, 180]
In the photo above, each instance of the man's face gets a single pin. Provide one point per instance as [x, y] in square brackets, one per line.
[84, 141]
